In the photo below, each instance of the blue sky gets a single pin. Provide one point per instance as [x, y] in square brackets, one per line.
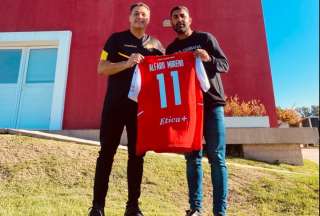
[292, 28]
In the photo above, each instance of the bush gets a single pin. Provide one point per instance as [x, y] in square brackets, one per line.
[291, 116]
[235, 107]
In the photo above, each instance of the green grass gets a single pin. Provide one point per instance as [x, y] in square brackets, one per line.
[45, 177]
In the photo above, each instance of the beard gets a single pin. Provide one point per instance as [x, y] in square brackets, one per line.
[180, 28]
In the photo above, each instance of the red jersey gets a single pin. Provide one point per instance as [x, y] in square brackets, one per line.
[170, 103]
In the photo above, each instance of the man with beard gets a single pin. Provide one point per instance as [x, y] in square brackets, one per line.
[121, 52]
[205, 46]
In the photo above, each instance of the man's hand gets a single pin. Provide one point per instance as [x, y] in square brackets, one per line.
[202, 54]
[135, 58]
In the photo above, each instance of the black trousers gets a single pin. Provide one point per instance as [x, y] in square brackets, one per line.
[113, 120]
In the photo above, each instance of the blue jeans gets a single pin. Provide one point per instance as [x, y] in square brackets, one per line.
[214, 134]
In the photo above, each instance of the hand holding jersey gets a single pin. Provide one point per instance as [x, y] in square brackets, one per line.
[134, 58]
[203, 55]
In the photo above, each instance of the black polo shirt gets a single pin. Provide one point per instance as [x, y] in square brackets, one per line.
[118, 46]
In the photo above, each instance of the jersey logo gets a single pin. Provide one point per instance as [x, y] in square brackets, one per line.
[171, 120]
[129, 45]
[191, 48]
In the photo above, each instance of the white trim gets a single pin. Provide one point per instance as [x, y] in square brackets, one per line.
[59, 39]
[247, 122]
[22, 76]
[310, 123]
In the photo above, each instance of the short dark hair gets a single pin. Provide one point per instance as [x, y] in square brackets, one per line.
[139, 4]
[179, 7]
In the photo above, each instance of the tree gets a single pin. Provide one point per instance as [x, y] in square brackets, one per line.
[315, 110]
[308, 111]
[304, 111]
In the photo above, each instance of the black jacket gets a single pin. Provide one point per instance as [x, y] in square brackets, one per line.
[218, 64]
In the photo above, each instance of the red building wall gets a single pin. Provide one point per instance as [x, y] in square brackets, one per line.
[238, 26]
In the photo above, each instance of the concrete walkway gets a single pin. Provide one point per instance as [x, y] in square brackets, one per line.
[308, 153]
[311, 154]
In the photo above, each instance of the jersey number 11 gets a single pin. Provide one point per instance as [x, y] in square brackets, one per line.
[162, 89]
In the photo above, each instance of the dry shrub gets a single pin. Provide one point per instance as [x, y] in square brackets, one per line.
[235, 107]
[290, 116]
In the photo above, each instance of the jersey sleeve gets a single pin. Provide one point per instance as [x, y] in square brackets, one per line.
[202, 76]
[109, 48]
[135, 85]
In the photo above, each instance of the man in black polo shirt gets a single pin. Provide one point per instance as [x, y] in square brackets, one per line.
[215, 62]
[121, 52]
